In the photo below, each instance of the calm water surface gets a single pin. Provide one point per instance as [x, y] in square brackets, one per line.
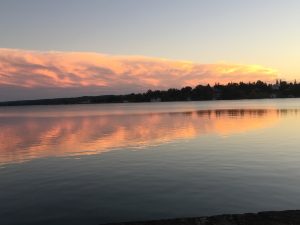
[92, 164]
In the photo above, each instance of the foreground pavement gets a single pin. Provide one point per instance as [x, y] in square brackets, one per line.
[262, 218]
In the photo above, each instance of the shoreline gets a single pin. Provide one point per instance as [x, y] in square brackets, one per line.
[229, 91]
[289, 217]
[34, 102]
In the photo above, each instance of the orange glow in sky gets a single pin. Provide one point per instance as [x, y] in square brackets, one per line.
[33, 69]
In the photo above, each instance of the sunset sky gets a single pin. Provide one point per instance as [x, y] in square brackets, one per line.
[62, 48]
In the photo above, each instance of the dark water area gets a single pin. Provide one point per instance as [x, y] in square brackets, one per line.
[92, 164]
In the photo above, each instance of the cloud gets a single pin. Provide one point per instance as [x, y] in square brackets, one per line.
[33, 74]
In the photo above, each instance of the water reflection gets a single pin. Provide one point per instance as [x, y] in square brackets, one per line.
[25, 138]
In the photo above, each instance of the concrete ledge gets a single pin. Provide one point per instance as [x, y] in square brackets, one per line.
[262, 218]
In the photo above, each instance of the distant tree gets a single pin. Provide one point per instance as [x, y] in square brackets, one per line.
[241, 90]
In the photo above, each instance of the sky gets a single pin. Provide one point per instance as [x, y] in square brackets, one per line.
[63, 48]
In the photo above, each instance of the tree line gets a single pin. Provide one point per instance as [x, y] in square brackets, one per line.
[230, 91]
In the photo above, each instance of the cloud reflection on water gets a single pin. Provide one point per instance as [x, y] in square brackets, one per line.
[26, 138]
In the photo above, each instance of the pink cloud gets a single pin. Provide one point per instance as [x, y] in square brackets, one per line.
[93, 73]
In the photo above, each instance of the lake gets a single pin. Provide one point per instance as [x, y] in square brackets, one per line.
[93, 164]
